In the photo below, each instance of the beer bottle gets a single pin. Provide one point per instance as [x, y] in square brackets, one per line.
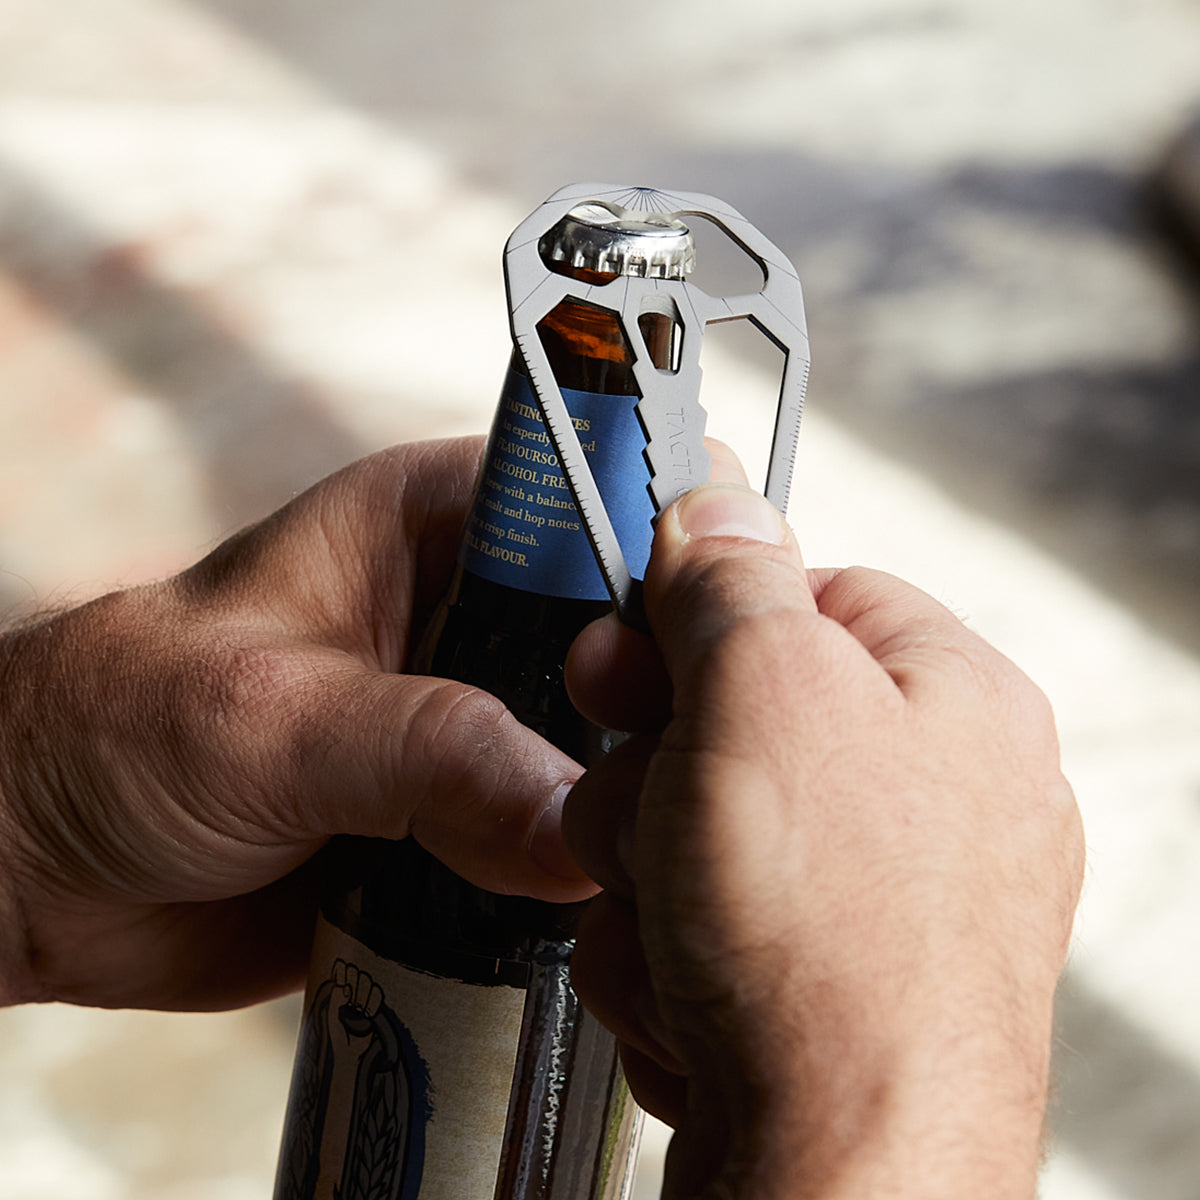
[443, 1052]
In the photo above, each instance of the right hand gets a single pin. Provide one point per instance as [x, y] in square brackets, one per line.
[841, 865]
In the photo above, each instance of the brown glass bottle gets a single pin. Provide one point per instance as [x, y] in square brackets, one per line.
[513, 642]
[561, 1124]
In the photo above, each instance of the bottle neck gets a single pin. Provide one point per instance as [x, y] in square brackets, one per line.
[587, 346]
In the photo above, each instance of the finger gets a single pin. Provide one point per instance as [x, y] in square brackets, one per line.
[377, 539]
[438, 490]
[616, 678]
[387, 756]
[726, 466]
[722, 555]
[600, 813]
[919, 642]
[609, 973]
[662, 1093]
[819, 578]
[615, 675]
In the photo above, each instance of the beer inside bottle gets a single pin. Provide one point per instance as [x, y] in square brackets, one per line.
[443, 1053]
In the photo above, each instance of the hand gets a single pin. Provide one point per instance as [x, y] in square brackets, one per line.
[841, 865]
[172, 756]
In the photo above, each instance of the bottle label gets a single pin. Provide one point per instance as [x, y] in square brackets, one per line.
[402, 1080]
[524, 530]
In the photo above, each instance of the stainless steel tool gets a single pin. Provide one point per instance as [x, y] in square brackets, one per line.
[669, 407]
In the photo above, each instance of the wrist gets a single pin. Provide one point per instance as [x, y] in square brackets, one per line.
[941, 1132]
[46, 748]
[935, 1112]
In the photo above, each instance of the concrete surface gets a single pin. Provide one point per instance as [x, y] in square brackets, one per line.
[244, 241]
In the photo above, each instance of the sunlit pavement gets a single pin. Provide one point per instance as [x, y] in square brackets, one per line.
[242, 243]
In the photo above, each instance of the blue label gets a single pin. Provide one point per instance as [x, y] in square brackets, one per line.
[524, 530]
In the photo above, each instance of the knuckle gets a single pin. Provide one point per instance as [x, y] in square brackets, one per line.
[748, 604]
[460, 733]
[453, 720]
[227, 568]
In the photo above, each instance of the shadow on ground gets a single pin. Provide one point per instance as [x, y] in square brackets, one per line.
[1124, 1104]
[259, 435]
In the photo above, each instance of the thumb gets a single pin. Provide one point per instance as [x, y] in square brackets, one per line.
[450, 765]
[723, 557]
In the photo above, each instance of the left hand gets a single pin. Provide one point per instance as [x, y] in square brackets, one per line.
[172, 756]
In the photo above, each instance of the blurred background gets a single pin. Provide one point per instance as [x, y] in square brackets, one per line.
[245, 241]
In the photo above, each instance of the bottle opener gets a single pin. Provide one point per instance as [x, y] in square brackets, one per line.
[669, 407]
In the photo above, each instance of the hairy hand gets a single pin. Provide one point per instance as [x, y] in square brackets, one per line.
[171, 757]
[841, 866]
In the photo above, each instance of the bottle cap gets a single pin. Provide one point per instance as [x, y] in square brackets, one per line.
[600, 236]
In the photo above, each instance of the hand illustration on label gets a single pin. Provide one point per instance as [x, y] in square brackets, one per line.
[360, 1085]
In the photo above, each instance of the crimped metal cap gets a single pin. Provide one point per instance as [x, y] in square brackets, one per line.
[598, 236]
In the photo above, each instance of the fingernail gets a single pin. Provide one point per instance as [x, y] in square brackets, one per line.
[726, 510]
[546, 845]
